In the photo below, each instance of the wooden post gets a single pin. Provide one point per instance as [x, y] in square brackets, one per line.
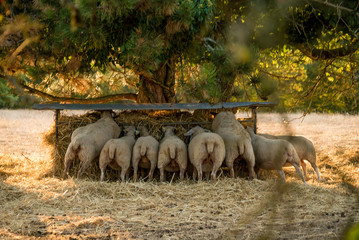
[254, 116]
[57, 114]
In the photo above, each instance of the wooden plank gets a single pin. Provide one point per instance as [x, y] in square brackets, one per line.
[151, 106]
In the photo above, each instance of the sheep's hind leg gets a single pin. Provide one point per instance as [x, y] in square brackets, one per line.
[86, 155]
[102, 174]
[162, 174]
[281, 173]
[123, 173]
[199, 172]
[316, 171]
[69, 158]
[297, 168]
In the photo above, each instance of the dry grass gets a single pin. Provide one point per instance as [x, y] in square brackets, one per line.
[35, 205]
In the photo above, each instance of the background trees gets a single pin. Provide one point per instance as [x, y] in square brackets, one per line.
[302, 53]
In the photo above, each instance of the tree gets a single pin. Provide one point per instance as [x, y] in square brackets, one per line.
[193, 50]
[63, 42]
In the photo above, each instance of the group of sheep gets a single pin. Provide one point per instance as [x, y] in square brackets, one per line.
[207, 151]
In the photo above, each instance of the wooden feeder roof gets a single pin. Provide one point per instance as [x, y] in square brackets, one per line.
[151, 106]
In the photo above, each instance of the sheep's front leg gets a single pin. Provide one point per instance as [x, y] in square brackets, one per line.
[304, 166]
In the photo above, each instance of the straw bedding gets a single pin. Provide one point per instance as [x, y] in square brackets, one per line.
[38, 207]
[153, 120]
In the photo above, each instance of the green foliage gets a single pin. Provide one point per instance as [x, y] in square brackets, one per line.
[353, 233]
[223, 50]
[7, 99]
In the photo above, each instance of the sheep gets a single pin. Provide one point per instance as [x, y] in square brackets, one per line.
[117, 153]
[145, 153]
[88, 141]
[273, 154]
[172, 154]
[206, 152]
[305, 150]
[236, 140]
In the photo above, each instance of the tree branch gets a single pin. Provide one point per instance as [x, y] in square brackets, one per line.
[322, 54]
[337, 6]
[104, 99]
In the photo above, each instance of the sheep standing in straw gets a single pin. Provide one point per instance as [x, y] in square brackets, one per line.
[117, 153]
[206, 152]
[88, 141]
[172, 154]
[305, 150]
[272, 154]
[145, 153]
[237, 141]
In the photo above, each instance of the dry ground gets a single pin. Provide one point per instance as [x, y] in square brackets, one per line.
[38, 207]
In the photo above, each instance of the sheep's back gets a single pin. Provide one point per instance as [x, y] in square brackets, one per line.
[269, 153]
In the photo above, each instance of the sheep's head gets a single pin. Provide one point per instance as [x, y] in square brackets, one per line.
[129, 130]
[169, 130]
[250, 130]
[194, 131]
[143, 131]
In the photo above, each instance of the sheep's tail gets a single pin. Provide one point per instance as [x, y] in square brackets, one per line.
[143, 150]
[76, 145]
[111, 152]
[172, 151]
[210, 147]
[240, 146]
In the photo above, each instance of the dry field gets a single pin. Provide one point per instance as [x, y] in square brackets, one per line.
[35, 205]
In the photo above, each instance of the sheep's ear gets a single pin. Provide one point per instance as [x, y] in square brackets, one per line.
[189, 133]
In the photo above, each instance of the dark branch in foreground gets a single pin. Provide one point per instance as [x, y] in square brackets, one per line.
[104, 99]
[321, 54]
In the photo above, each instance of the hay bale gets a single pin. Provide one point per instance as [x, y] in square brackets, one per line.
[153, 120]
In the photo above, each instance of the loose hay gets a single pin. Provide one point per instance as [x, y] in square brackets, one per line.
[35, 207]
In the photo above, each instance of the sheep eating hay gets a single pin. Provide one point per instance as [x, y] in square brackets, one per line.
[272, 154]
[88, 141]
[172, 154]
[206, 151]
[145, 153]
[117, 153]
[236, 140]
[305, 150]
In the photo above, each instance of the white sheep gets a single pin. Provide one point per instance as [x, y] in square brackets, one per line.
[305, 150]
[145, 153]
[117, 153]
[236, 139]
[172, 154]
[206, 152]
[273, 154]
[88, 141]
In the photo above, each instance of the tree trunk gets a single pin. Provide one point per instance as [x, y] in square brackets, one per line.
[158, 88]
